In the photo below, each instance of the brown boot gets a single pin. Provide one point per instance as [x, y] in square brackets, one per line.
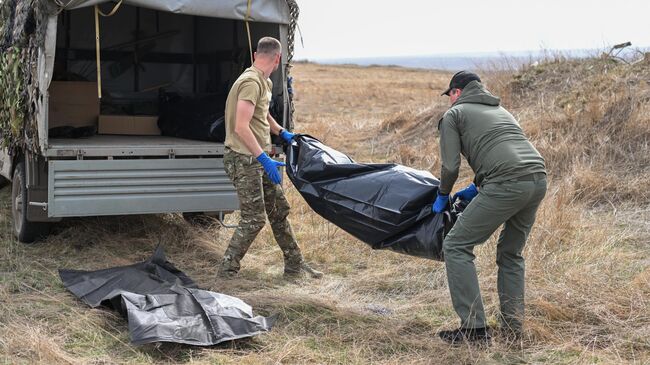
[315, 274]
[304, 268]
[224, 273]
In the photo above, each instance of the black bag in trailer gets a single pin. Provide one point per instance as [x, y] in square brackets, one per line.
[387, 206]
[197, 118]
[162, 304]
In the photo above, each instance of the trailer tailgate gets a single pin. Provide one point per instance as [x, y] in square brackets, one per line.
[142, 186]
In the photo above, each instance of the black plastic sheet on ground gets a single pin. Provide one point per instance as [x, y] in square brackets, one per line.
[162, 304]
[387, 206]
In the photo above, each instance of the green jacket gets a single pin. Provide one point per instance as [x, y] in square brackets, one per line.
[489, 137]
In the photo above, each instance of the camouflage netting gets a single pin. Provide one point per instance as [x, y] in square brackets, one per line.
[294, 10]
[22, 31]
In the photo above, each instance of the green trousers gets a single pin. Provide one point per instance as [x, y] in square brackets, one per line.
[512, 203]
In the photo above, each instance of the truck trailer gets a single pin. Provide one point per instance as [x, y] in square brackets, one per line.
[112, 107]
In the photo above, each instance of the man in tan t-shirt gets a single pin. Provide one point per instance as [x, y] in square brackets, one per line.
[255, 175]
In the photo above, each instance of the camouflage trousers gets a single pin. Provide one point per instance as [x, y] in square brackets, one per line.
[258, 198]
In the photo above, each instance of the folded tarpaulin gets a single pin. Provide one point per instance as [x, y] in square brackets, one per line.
[387, 206]
[162, 304]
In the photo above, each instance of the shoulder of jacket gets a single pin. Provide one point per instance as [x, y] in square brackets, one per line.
[451, 114]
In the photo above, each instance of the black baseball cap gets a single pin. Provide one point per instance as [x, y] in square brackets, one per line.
[460, 80]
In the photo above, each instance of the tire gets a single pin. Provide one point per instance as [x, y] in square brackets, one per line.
[24, 230]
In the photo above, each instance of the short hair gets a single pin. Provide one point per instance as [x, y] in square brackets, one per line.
[269, 46]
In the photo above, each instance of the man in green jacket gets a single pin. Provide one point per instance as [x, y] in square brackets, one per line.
[508, 187]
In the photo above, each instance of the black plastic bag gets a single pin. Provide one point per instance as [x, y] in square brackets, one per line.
[197, 118]
[162, 304]
[72, 132]
[387, 206]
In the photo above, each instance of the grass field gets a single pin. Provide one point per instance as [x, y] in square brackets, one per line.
[588, 258]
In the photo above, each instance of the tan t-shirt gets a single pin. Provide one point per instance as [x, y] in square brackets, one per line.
[254, 87]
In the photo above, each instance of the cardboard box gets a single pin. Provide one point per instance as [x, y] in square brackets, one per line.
[138, 125]
[73, 103]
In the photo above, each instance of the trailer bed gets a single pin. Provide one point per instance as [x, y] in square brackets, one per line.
[125, 146]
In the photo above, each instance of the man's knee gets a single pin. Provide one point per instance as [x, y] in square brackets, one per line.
[278, 213]
[511, 260]
[505, 256]
[252, 226]
[277, 206]
[510, 247]
[457, 250]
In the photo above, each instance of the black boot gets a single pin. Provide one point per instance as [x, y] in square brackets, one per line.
[466, 335]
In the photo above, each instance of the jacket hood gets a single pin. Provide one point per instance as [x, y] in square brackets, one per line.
[476, 93]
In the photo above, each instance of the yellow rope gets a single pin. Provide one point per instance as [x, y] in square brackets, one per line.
[99, 64]
[98, 12]
[248, 30]
[112, 12]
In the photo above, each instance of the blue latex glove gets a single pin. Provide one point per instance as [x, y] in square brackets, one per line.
[441, 204]
[466, 194]
[286, 135]
[271, 167]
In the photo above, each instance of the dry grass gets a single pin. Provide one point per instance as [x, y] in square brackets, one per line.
[588, 277]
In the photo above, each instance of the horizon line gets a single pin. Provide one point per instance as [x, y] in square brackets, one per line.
[529, 52]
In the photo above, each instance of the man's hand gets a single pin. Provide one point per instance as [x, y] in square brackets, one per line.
[441, 204]
[466, 194]
[287, 136]
[271, 167]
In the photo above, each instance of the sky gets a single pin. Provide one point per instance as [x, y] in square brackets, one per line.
[365, 28]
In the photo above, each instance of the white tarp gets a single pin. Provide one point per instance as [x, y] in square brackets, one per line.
[270, 11]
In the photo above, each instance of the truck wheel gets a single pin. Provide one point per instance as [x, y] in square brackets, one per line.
[24, 230]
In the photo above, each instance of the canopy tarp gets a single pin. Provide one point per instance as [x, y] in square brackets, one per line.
[270, 11]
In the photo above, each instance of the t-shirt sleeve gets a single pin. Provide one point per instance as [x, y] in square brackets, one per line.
[249, 90]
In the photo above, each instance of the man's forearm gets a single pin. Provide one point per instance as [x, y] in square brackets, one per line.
[447, 181]
[450, 149]
[275, 127]
[248, 139]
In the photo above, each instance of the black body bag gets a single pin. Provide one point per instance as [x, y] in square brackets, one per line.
[387, 206]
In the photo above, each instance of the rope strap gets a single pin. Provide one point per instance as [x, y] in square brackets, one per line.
[248, 30]
[98, 12]
[97, 51]
[112, 12]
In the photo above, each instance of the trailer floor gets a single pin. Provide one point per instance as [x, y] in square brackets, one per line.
[118, 145]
